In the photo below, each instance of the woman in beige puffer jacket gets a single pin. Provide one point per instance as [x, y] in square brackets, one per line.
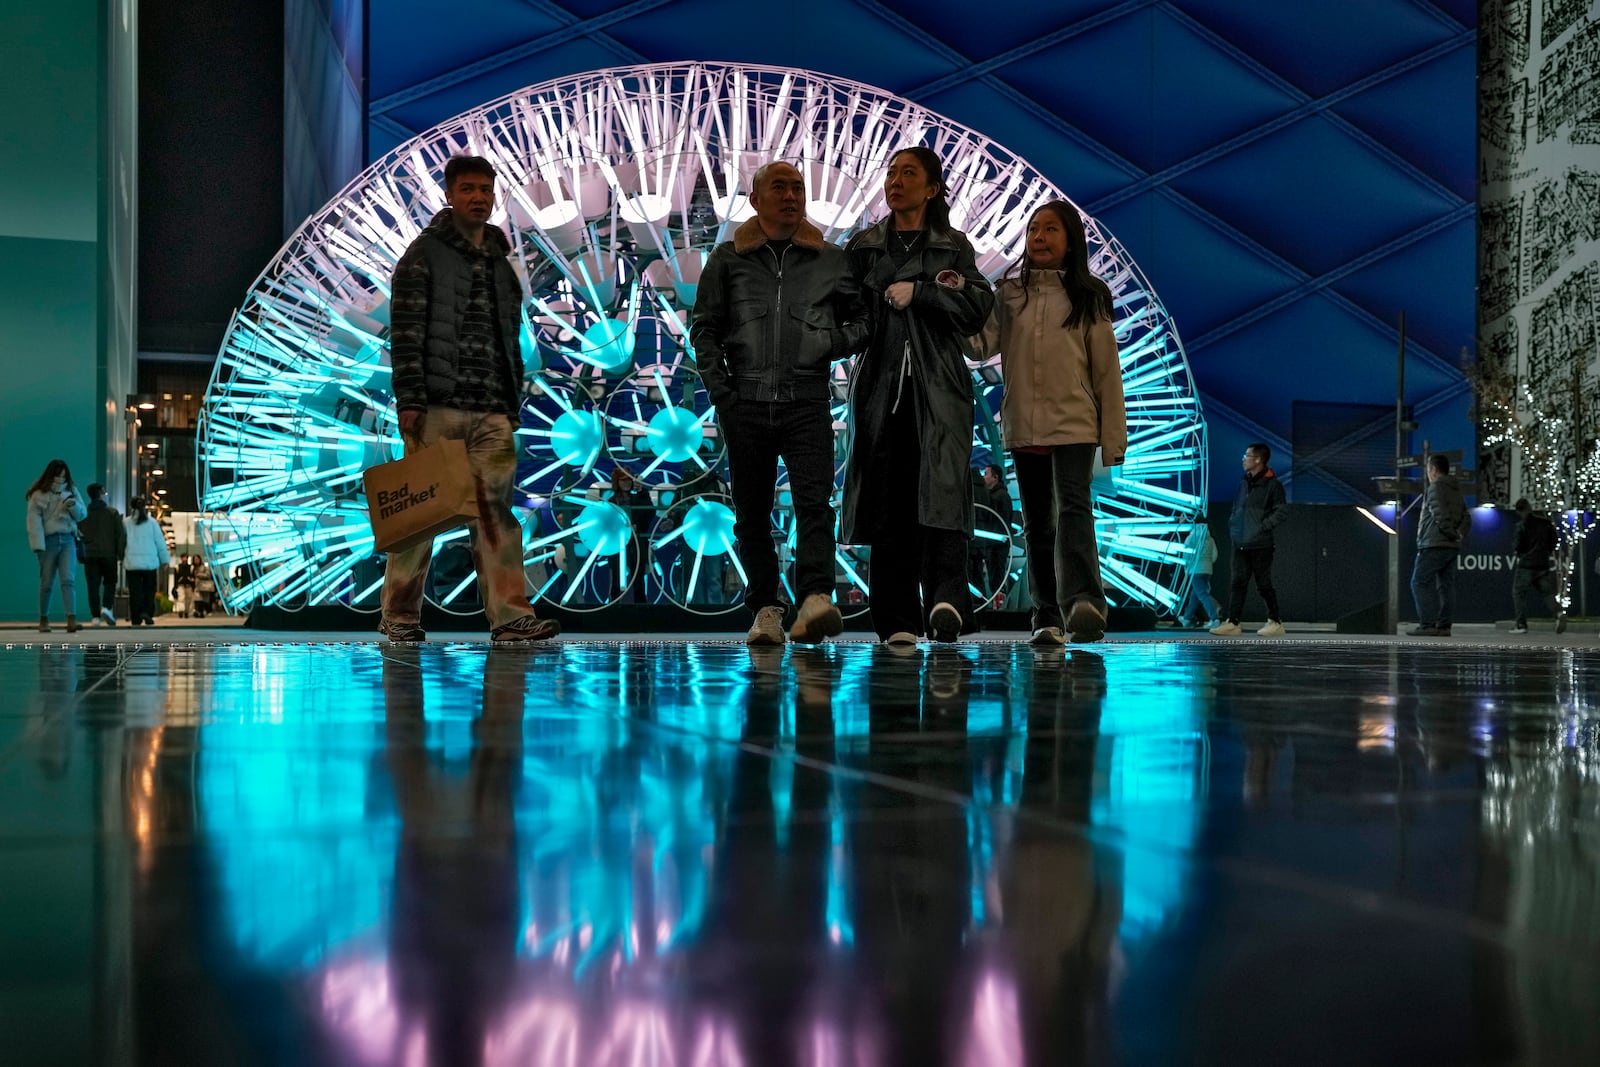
[1063, 401]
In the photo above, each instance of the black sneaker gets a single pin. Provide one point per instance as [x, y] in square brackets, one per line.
[399, 632]
[527, 628]
[1426, 631]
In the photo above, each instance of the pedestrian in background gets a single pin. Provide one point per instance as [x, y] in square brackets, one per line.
[1259, 507]
[146, 555]
[1535, 548]
[1440, 532]
[54, 509]
[1200, 596]
[104, 542]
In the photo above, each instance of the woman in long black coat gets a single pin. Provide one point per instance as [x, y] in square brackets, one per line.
[907, 491]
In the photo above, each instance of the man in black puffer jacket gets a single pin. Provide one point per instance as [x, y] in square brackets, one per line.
[455, 342]
[105, 540]
[1260, 506]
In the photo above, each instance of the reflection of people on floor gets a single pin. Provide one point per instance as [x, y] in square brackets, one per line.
[453, 931]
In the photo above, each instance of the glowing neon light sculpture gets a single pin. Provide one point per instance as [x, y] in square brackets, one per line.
[616, 184]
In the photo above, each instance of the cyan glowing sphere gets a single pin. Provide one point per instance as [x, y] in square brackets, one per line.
[608, 344]
[675, 434]
[708, 527]
[604, 528]
[576, 437]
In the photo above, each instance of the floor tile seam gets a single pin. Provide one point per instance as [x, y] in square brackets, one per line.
[64, 708]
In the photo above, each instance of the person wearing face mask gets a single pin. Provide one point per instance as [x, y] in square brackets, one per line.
[907, 487]
[54, 510]
[1062, 403]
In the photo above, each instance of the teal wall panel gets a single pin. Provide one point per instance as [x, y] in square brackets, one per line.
[50, 119]
[49, 338]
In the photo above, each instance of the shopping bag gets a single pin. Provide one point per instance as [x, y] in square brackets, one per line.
[424, 494]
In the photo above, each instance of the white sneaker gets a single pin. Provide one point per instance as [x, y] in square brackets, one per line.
[901, 643]
[108, 615]
[767, 629]
[816, 621]
[1086, 622]
[1519, 628]
[1227, 629]
[1273, 628]
[1048, 635]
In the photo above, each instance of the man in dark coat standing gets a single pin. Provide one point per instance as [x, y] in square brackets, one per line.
[1259, 507]
[455, 342]
[105, 539]
[1440, 531]
[776, 306]
[1535, 548]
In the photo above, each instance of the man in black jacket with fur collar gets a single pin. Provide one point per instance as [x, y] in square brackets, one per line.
[775, 307]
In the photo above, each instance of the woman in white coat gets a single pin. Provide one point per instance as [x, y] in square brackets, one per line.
[54, 510]
[146, 555]
[1063, 401]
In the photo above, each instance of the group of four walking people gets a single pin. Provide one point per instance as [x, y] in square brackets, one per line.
[776, 307]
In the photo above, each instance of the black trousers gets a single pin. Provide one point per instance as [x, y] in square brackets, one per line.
[1058, 525]
[1252, 563]
[800, 433]
[914, 567]
[142, 596]
[1524, 581]
[102, 575]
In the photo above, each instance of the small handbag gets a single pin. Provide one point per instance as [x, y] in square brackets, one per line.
[82, 549]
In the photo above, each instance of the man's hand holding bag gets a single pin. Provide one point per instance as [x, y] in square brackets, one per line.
[416, 498]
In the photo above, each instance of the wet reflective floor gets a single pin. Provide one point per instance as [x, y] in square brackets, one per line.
[691, 853]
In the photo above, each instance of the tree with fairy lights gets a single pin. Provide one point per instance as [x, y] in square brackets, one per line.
[1560, 466]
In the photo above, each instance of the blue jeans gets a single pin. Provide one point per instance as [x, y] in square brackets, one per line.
[1199, 597]
[59, 561]
[1435, 569]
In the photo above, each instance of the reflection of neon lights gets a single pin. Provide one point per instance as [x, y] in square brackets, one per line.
[841, 927]
[994, 1036]
[1154, 758]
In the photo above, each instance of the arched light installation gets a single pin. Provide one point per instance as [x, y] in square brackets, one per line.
[615, 186]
